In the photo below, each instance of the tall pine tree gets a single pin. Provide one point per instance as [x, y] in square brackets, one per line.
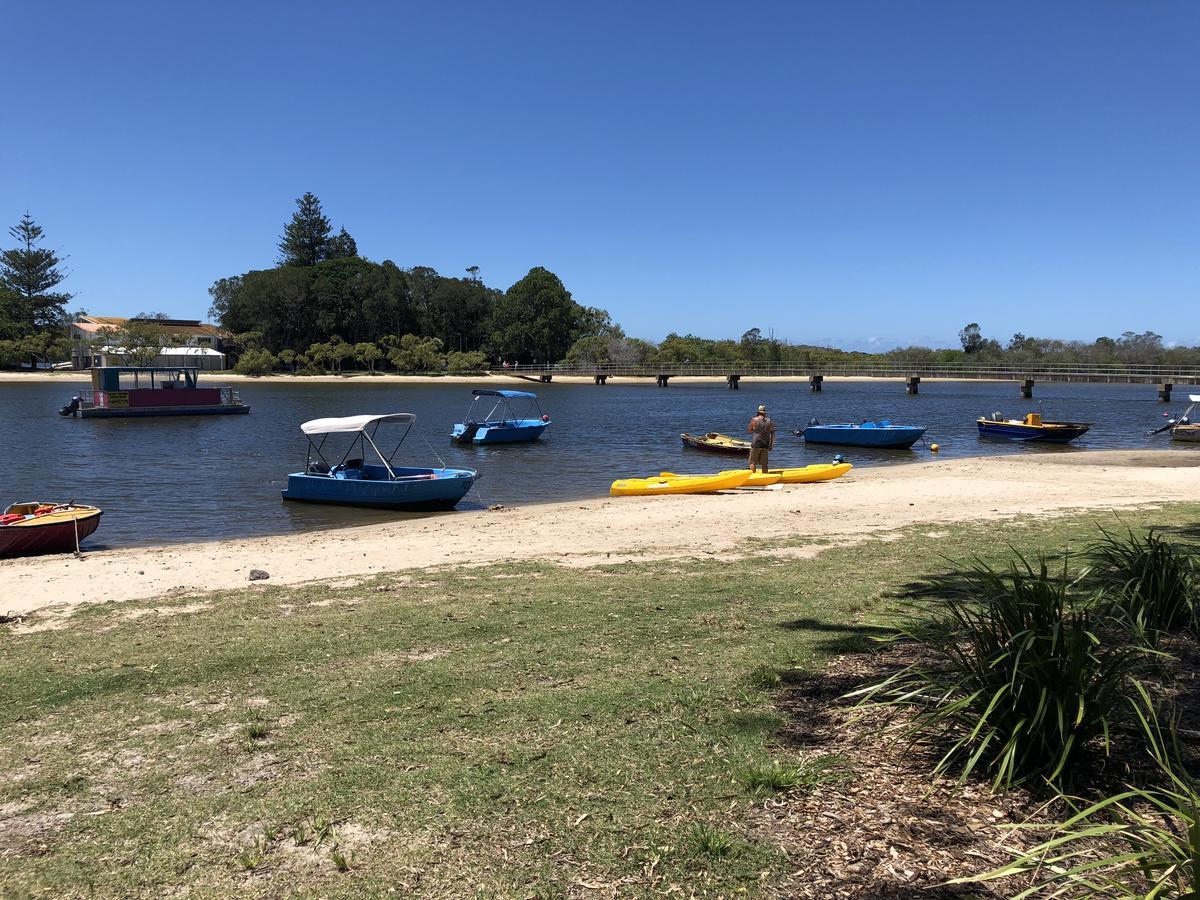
[305, 240]
[341, 246]
[27, 275]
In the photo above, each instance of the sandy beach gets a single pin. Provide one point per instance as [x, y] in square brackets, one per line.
[607, 530]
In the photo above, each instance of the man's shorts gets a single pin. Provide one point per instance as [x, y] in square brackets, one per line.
[758, 457]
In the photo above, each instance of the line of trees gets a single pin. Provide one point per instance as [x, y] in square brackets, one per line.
[32, 310]
[323, 305]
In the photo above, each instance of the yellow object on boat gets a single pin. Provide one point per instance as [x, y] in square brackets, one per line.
[679, 484]
[808, 474]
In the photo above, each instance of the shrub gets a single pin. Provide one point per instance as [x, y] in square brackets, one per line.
[1148, 580]
[255, 362]
[1142, 842]
[1015, 680]
[466, 362]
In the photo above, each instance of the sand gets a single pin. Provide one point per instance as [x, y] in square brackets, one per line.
[606, 530]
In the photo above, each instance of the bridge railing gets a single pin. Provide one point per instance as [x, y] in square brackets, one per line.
[1047, 371]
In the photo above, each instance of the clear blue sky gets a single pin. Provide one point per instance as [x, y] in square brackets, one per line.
[836, 172]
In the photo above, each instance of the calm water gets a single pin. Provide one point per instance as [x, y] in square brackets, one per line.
[183, 479]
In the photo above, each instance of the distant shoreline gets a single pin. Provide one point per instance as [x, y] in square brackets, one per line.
[83, 377]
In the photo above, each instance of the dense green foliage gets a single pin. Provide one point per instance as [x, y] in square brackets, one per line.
[1148, 579]
[1017, 680]
[31, 311]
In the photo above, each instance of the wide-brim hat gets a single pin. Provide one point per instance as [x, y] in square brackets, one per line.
[762, 409]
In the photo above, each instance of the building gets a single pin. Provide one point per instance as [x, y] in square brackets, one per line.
[191, 343]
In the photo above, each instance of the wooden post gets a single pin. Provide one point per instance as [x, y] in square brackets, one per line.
[913, 385]
[1027, 388]
[661, 380]
[1164, 392]
[733, 380]
[545, 378]
[814, 383]
[600, 378]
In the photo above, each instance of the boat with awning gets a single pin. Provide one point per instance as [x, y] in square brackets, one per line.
[501, 424]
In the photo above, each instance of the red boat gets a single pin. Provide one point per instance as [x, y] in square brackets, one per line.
[30, 528]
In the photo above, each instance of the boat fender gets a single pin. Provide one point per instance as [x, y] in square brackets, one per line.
[545, 418]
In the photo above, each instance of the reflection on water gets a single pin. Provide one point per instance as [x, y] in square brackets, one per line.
[202, 478]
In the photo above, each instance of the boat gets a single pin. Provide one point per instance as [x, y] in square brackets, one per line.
[797, 475]
[1031, 428]
[715, 442]
[679, 484]
[124, 391]
[1184, 429]
[30, 528]
[864, 434]
[508, 427]
[809, 474]
[354, 482]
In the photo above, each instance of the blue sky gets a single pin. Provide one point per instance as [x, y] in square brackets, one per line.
[834, 172]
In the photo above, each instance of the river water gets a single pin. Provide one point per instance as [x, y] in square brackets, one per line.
[180, 479]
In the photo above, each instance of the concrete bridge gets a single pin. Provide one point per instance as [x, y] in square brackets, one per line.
[1163, 378]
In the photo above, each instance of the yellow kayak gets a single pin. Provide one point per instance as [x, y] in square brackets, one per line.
[679, 484]
[806, 474]
[756, 479]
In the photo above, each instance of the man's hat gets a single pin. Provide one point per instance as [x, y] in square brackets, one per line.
[762, 409]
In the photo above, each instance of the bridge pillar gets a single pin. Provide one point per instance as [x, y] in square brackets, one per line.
[733, 380]
[661, 380]
[599, 378]
[814, 383]
[1164, 392]
[1027, 388]
[912, 384]
[544, 378]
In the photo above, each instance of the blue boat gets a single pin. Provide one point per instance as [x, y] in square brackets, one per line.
[864, 434]
[505, 428]
[353, 482]
[1031, 428]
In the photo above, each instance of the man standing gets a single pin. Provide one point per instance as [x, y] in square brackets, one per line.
[763, 430]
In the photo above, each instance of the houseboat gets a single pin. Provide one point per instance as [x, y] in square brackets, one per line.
[121, 391]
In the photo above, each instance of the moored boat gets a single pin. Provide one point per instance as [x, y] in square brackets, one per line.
[715, 442]
[1184, 429]
[31, 528]
[1031, 428]
[125, 391]
[865, 434]
[505, 428]
[354, 482]
[679, 484]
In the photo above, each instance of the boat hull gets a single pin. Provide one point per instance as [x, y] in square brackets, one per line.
[1188, 434]
[679, 484]
[718, 443]
[55, 535]
[883, 436]
[140, 412]
[1047, 432]
[511, 432]
[417, 490]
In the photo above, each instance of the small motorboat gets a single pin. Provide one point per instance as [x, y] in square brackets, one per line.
[715, 442]
[505, 428]
[30, 528]
[1184, 429]
[679, 484]
[353, 482]
[1031, 428]
[864, 434]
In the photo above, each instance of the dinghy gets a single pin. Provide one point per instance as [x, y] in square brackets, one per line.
[715, 442]
[31, 528]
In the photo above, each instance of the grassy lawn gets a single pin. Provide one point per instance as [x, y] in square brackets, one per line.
[513, 731]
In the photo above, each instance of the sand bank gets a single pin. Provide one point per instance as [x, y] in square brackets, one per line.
[607, 530]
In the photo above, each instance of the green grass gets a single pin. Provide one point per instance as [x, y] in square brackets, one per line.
[455, 734]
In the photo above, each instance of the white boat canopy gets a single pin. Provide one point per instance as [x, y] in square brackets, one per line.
[353, 424]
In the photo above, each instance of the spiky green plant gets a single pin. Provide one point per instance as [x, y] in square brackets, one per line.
[1014, 680]
[1142, 842]
[1149, 580]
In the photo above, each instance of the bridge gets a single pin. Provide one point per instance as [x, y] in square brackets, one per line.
[1164, 378]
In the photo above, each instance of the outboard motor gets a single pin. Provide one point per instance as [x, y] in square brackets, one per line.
[71, 408]
[814, 421]
[470, 429]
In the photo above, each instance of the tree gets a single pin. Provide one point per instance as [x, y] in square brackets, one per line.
[27, 275]
[536, 319]
[341, 246]
[289, 357]
[339, 352]
[255, 362]
[305, 239]
[140, 340]
[473, 361]
[369, 354]
[417, 354]
[971, 338]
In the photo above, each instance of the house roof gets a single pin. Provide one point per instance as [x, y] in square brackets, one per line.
[189, 327]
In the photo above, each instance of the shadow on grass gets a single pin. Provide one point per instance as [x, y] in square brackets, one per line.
[886, 890]
[845, 638]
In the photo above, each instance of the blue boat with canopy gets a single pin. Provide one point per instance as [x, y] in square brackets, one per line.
[864, 434]
[501, 424]
[352, 481]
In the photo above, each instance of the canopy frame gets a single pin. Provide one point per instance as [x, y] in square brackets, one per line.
[503, 399]
[365, 429]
